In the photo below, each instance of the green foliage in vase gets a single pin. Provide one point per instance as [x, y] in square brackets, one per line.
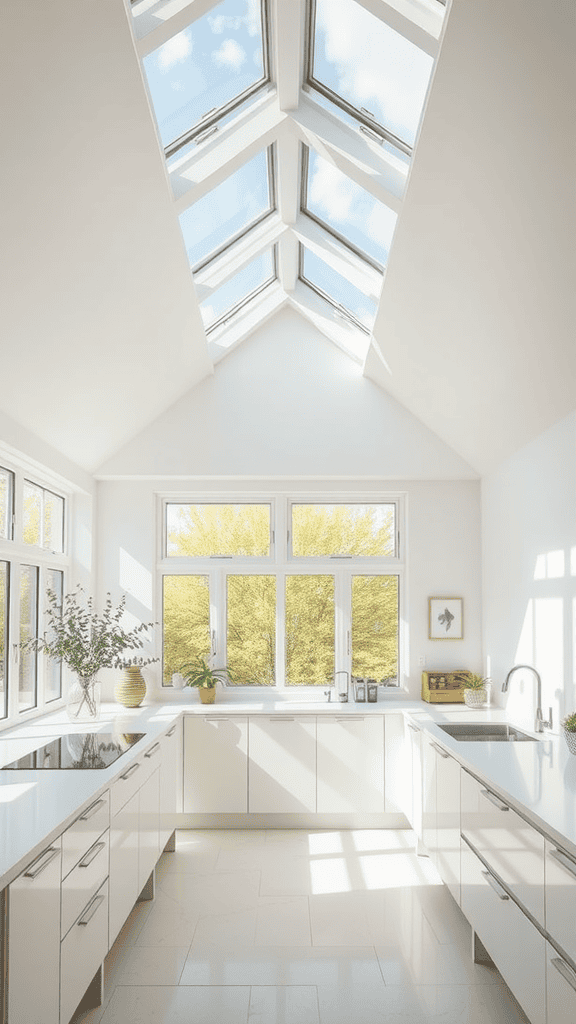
[199, 673]
[569, 722]
[475, 682]
[85, 640]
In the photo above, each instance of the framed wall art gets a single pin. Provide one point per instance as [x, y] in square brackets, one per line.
[445, 618]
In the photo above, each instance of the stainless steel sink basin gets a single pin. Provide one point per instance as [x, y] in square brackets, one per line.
[473, 732]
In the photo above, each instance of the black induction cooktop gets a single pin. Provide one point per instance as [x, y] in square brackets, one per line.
[77, 750]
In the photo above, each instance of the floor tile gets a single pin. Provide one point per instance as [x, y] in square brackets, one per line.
[337, 968]
[213, 893]
[339, 920]
[297, 1004]
[182, 1005]
[226, 931]
[152, 965]
[285, 874]
[169, 923]
[283, 923]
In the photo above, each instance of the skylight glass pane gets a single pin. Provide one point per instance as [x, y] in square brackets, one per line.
[337, 289]
[348, 209]
[227, 211]
[250, 280]
[206, 66]
[369, 65]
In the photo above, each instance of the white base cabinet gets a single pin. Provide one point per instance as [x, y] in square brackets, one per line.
[83, 951]
[148, 827]
[282, 769]
[170, 782]
[560, 988]
[123, 865]
[413, 809]
[561, 898]
[350, 764]
[216, 765]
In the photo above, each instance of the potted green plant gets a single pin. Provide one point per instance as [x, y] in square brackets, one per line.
[475, 692]
[199, 673]
[87, 642]
[569, 729]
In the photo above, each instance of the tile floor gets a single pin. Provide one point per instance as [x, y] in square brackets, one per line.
[299, 927]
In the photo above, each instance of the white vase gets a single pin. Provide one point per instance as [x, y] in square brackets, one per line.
[83, 700]
[570, 738]
[476, 698]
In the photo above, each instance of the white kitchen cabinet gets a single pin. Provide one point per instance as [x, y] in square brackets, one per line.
[84, 880]
[124, 890]
[215, 764]
[148, 827]
[560, 988]
[84, 832]
[397, 766]
[34, 940]
[516, 946]
[429, 804]
[83, 951]
[282, 764]
[448, 821]
[561, 897]
[170, 781]
[414, 802]
[506, 841]
[350, 763]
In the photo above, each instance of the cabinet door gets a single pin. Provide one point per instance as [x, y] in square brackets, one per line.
[448, 821]
[414, 806]
[170, 781]
[429, 805]
[350, 764]
[148, 827]
[282, 769]
[561, 897]
[34, 941]
[215, 765]
[123, 865]
[560, 988]
[83, 950]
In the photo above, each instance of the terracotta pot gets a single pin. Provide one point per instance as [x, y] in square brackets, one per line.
[207, 694]
[131, 688]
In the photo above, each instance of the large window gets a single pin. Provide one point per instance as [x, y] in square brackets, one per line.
[321, 596]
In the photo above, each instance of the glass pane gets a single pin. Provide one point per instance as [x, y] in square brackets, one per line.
[3, 639]
[251, 629]
[375, 627]
[27, 673]
[32, 525]
[6, 492]
[52, 668]
[310, 630]
[349, 210]
[150, 14]
[205, 530]
[227, 211]
[370, 65]
[213, 61]
[53, 522]
[186, 621]
[337, 289]
[357, 530]
[243, 285]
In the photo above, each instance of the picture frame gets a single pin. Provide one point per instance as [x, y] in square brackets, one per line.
[445, 618]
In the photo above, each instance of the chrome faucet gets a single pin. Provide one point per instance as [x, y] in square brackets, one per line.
[540, 724]
[342, 696]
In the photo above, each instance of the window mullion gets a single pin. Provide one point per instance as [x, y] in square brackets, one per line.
[343, 620]
[218, 610]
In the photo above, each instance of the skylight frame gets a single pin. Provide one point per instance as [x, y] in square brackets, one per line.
[367, 123]
[341, 310]
[209, 123]
[271, 160]
[233, 312]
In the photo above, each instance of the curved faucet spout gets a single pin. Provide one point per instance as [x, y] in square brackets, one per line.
[540, 724]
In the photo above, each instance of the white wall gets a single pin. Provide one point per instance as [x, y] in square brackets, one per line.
[443, 535]
[529, 570]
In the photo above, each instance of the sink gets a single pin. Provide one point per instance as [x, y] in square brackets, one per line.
[473, 732]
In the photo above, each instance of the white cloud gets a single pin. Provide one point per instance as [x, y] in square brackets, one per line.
[175, 51]
[250, 20]
[330, 190]
[230, 55]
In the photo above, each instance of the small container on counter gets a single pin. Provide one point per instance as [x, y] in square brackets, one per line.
[372, 691]
[360, 691]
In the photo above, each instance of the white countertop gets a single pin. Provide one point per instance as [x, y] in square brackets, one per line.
[36, 806]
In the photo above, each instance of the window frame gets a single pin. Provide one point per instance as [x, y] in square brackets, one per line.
[341, 310]
[214, 559]
[366, 560]
[234, 310]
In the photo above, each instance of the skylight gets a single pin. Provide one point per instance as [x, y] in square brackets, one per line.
[346, 209]
[229, 210]
[348, 300]
[368, 68]
[206, 70]
[227, 300]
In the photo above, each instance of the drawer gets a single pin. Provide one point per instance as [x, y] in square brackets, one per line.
[560, 988]
[82, 951]
[561, 898]
[83, 881]
[83, 833]
[508, 843]
[133, 777]
[505, 931]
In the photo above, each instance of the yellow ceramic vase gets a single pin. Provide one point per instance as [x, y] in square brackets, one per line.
[207, 694]
[131, 689]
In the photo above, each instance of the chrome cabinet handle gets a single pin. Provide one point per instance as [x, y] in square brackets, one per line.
[281, 718]
[494, 885]
[171, 731]
[351, 718]
[133, 768]
[567, 973]
[564, 860]
[494, 800]
[90, 910]
[412, 727]
[153, 750]
[217, 719]
[440, 751]
[91, 811]
[43, 860]
[91, 855]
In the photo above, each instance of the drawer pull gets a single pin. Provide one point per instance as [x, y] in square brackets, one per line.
[216, 719]
[351, 718]
[171, 731]
[281, 718]
[494, 800]
[442, 753]
[42, 862]
[153, 750]
[494, 885]
[90, 910]
[133, 768]
[567, 973]
[92, 810]
[412, 727]
[91, 855]
[564, 860]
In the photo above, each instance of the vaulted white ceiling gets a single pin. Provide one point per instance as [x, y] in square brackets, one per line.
[102, 329]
